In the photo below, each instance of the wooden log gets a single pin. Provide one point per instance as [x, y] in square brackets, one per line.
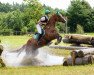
[68, 47]
[78, 39]
[80, 61]
[73, 55]
[83, 52]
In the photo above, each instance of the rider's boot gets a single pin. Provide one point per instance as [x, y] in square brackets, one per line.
[39, 37]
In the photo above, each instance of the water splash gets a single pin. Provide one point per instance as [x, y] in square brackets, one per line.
[24, 57]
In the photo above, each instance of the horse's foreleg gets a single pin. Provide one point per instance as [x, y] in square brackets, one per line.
[59, 38]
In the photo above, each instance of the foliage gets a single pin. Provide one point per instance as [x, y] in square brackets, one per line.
[5, 7]
[24, 30]
[31, 26]
[24, 17]
[60, 27]
[79, 29]
[6, 32]
[13, 21]
[79, 13]
[8, 8]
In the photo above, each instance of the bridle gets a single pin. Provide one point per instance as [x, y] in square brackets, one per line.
[62, 17]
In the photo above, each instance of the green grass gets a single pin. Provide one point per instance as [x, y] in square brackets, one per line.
[16, 41]
[54, 70]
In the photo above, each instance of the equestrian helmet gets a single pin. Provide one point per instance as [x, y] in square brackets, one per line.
[57, 12]
[47, 12]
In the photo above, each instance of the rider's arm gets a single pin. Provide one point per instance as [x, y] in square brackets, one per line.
[39, 22]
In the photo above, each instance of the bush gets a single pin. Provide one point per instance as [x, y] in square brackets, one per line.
[24, 30]
[32, 26]
[6, 32]
[60, 27]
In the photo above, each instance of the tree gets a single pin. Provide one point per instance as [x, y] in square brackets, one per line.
[78, 13]
[23, 17]
[13, 20]
[90, 22]
[5, 7]
[31, 26]
[32, 14]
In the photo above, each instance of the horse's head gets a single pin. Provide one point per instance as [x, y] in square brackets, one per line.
[60, 17]
[57, 17]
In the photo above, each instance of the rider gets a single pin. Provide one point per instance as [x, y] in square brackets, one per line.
[43, 20]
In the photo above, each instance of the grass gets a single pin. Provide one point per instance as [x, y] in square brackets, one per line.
[16, 41]
[54, 70]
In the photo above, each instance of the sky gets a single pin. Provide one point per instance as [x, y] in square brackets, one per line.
[61, 4]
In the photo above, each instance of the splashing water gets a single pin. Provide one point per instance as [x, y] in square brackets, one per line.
[24, 57]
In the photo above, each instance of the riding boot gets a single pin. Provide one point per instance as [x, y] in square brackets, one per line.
[39, 37]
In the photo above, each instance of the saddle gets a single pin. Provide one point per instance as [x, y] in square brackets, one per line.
[37, 36]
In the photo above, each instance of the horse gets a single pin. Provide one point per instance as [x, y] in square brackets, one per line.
[50, 32]
[30, 53]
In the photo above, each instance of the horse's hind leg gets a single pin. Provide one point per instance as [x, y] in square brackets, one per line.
[59, 38]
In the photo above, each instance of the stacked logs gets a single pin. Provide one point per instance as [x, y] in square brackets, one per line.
[80, 57]
[78, 39]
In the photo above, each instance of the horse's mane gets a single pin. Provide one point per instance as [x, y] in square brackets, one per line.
[52, 20]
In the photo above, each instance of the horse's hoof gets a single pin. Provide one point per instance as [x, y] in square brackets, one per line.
[49, 43]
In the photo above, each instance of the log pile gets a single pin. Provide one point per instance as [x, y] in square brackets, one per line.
[80, 57]
[68, 47]
[78, 39]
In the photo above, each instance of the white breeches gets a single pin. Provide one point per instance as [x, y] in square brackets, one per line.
[39, 28]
